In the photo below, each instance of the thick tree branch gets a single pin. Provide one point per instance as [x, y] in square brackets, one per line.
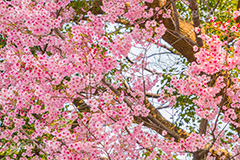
[176, 17]
[183, 41]
[196, 21]
[238, 6]
[203, 126]
[154, 121]
[156, 117]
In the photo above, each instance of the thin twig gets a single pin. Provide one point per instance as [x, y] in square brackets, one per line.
[21, 130]
[211, 11]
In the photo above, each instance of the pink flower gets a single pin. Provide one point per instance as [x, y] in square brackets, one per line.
[234, 29]
[197, 30]
[236, 14]
[154, 23]
[195, 48]
[169, 11]
[223, 27]
[164, 133]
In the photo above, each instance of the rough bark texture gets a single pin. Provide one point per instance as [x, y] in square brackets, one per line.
[238, 6]
[196, 21]
[181, 39]
[154, 121]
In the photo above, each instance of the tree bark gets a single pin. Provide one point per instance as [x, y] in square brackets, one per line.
[181, 39]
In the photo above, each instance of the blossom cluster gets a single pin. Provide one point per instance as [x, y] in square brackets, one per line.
[62, 94]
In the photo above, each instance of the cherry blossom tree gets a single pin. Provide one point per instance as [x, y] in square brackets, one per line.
[71, 89]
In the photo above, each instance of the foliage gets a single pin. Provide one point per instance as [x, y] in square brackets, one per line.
[69, 89]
